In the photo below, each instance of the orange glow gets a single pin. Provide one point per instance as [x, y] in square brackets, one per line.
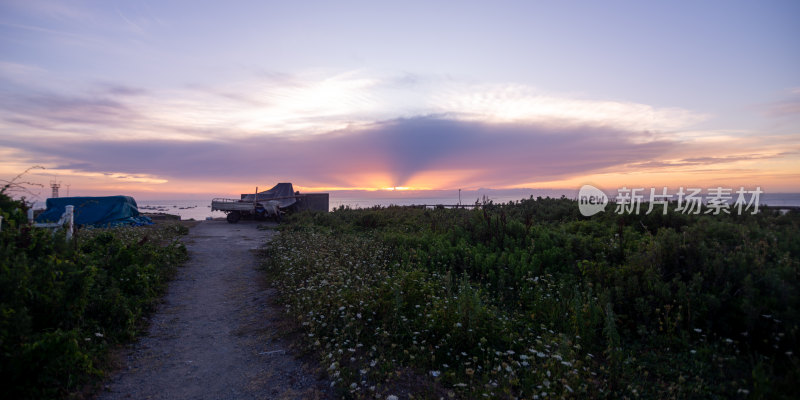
[771, 174]
[444, 179]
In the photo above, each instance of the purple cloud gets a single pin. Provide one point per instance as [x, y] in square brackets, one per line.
[501, 154]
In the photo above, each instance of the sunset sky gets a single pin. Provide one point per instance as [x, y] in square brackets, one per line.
[174, 99]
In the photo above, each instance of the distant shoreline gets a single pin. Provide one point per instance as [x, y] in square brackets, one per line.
[200, 209]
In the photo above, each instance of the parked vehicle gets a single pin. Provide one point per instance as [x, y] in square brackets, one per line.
[272, 203]
[238, 209]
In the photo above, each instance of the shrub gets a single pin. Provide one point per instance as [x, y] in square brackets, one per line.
[63, 303]
[528, 298]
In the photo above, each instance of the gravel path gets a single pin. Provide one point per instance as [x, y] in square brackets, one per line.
[214, 337]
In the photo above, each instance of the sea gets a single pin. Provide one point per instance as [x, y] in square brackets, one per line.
[200, 209]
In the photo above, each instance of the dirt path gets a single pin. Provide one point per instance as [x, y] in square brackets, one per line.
[214, 335]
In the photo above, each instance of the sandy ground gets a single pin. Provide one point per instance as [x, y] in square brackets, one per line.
[215, 335]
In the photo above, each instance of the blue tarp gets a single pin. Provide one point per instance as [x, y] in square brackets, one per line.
[96, 211]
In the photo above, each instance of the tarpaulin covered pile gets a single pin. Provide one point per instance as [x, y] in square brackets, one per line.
[96, 211]
[282, 193]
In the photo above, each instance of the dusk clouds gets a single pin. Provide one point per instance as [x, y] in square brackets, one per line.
[140, 96]
[400, 149]
[338, 132]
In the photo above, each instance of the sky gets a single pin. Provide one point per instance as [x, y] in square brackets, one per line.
[178, 99]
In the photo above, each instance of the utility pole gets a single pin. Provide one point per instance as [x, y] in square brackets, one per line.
[459, 196]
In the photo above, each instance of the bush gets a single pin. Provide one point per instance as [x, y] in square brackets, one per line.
[63, 303]
[528, 298]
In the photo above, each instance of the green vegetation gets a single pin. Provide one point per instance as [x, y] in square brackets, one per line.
[532, 300]
[63, 304]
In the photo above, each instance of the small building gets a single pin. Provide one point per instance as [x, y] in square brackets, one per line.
[312, 202]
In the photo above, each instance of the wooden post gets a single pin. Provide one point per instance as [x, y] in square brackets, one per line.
[70, 220]
[255, 200]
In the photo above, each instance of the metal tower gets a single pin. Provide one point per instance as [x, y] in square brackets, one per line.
[54, 184]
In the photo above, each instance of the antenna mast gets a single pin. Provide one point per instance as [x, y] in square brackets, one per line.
[54, 184]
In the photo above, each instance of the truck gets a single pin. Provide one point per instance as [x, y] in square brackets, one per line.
[238, 209]
[272, 203]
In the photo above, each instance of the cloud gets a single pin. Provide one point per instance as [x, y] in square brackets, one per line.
[19, 73]
[710, 160]
[116, 89]
[53, 110]
[499, 154]
[314, 102]
[354, 130]
[513, 103]
[55, 10]
[787, 107]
